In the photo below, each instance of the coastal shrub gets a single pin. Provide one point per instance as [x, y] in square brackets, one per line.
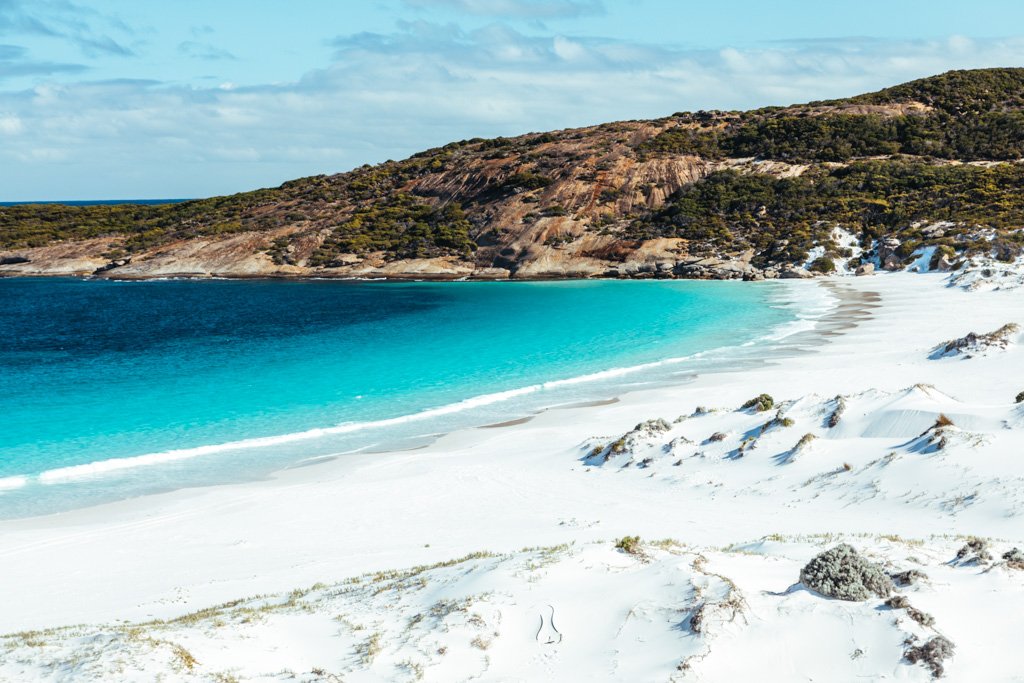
[982, 121]
[909, 577]
[903, 603]
[402, 225]
[783, 218]
[1014, 558]
[777, 421]
[316, 201]
[526, 180]
[822, 264]
[932, 654]
[974, 551]
[759, 403]
[629, 544]
[843, 574]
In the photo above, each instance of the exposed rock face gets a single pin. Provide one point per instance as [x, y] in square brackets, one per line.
[843, 574]
[887, 254]
[76, 258]
[245, 255]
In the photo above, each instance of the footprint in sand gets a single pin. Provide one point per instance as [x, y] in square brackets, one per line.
[547, 634]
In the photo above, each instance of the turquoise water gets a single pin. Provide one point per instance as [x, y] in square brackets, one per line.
[115, 389]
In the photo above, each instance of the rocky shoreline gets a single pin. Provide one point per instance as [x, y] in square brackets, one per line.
[223, 259]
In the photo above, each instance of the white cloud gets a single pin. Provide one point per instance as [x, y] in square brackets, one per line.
[568, 50]
[387, 96]
[10, 125]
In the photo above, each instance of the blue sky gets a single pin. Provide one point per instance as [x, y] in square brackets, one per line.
[114, 99]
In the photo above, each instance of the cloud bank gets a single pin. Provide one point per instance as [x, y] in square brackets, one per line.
[387, 95]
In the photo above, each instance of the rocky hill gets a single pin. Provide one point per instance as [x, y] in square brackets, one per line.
[930, 169]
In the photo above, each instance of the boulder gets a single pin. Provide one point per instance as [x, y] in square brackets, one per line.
[795, 273]
[865, 269]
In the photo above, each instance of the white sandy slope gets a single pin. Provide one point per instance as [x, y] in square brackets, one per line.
[745, 512]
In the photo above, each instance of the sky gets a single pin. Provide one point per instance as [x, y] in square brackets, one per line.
[114, 99]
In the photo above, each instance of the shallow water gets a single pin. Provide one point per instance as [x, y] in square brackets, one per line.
[114, 389]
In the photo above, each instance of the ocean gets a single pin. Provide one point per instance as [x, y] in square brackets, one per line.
[111, 390]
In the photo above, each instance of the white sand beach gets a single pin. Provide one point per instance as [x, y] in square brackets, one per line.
[491, 553]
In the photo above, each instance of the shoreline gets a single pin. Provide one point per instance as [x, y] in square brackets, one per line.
[391, 277]
[781, 339]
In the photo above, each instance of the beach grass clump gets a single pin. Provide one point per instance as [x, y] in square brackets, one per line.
[801, 446]
[843, 574]
[629, 545]
[759, 403]
[370, 648]
[777, 421]
[837, 414]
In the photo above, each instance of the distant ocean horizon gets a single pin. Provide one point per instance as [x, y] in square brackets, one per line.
[98, 202]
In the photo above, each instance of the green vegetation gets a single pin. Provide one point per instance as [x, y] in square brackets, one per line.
[143, 226]
[955, 92]
[629, 544]
[402, 225]
[811, 137]
[782, 218]
[526, 180]
[314, 201]
[759, 403]
[972, 115]
[822, 264]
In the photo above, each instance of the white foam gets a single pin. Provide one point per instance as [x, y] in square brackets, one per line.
[11, 483]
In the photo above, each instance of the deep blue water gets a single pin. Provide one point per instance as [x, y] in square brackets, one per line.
[223, 380]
